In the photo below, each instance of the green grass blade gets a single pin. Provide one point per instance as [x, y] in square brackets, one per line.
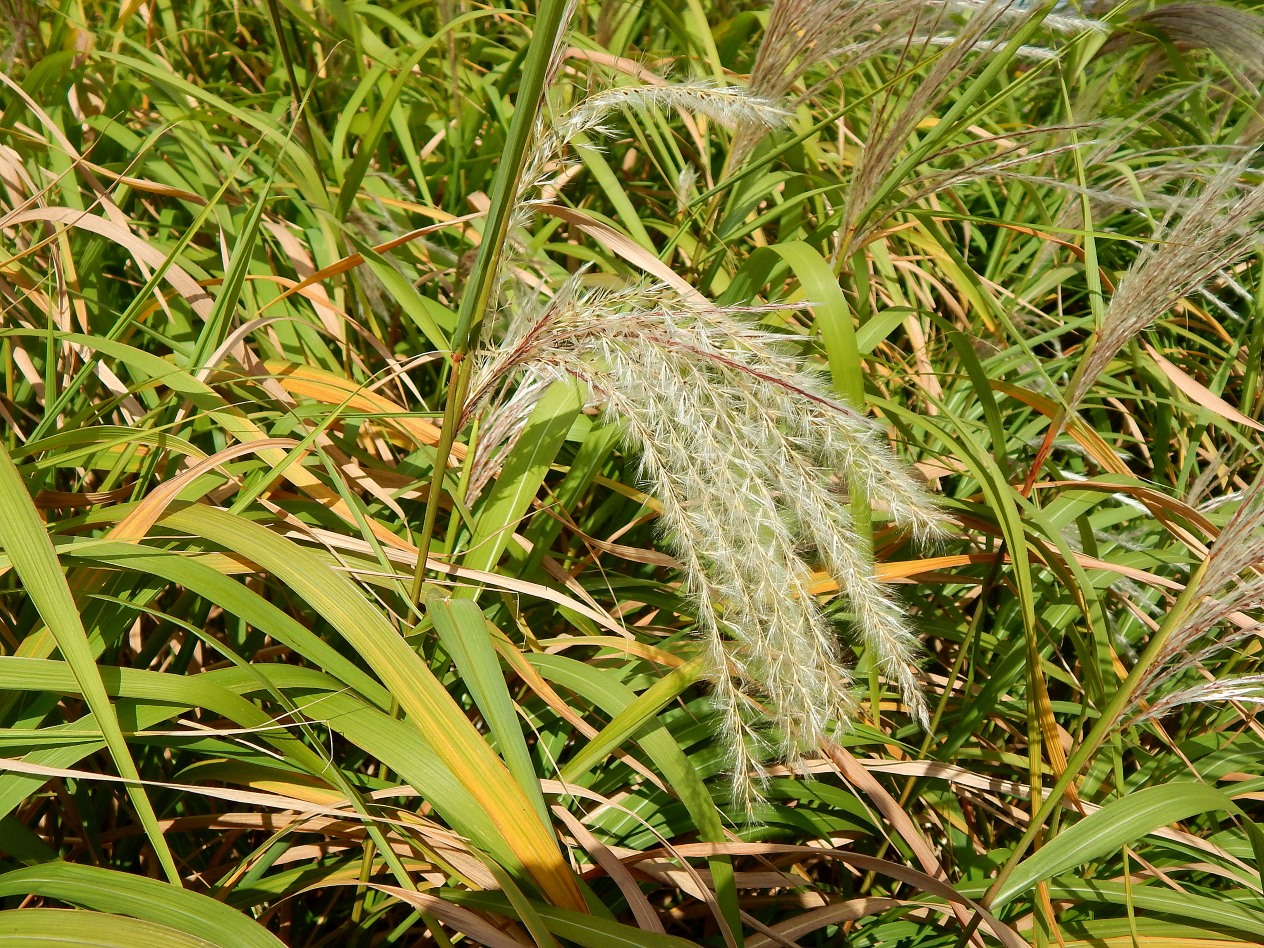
[138, 897]
[56, 928]
[632, 718]
[1118, 823]
[519, 481]
[462, 628]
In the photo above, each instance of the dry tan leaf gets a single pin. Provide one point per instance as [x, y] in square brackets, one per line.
[1198, 393]
[145, 254]
[623, 246]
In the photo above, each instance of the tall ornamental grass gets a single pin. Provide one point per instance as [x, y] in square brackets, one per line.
[732, 473]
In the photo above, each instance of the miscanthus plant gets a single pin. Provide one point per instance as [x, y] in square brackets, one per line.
[752, 460]
[442, 451]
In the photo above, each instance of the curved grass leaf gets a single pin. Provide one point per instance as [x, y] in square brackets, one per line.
[429, 707]
[119, 893]
[1118, 823]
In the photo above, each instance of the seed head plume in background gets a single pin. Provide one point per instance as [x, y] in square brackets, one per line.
[1231, 592]
[807, 41]
[1236, 35]
[1201, 237]
[1212, 232]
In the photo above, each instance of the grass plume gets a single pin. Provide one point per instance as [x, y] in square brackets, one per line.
[1193, 244]
[739, 444]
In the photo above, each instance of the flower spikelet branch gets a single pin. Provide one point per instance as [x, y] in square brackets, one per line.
[1232, 595]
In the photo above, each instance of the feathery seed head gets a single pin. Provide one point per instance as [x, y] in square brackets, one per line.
[739, 443]
[1247, 689]
[743, 449]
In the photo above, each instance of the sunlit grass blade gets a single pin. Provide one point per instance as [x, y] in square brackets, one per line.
[428, 706]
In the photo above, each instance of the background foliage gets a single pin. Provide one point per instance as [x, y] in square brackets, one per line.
[237, 240]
